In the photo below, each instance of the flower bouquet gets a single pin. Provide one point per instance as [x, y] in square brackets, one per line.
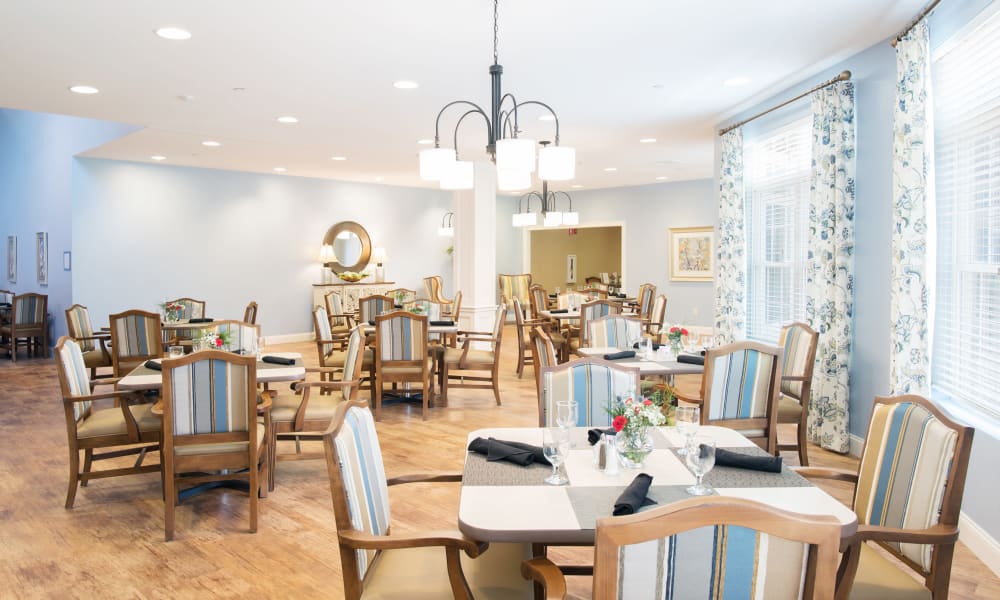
[631, 419]
[214, 341]
[172, 311]
[674, 335]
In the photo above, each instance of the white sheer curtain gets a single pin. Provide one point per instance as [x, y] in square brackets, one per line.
[731, 253]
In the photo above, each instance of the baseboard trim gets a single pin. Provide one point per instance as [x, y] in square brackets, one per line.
[289, 338]
[983, 545]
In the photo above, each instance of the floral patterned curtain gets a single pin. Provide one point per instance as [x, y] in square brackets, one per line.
[830, 262]
[731, 253]
[909, 365]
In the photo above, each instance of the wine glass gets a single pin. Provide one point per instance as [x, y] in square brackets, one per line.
[700, 459]
[688, 419]
[555, 446]
[566, 416]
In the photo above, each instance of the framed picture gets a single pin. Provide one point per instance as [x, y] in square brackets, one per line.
[692, 253]
[12, 258]
[42, 257]
[570, 268]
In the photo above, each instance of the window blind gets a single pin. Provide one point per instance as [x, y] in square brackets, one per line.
[777, 166]
[965, 355]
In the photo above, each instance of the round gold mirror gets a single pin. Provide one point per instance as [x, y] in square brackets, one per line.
[352, 247]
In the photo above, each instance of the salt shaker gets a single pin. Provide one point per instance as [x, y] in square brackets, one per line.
[601, 454]
[611, 452]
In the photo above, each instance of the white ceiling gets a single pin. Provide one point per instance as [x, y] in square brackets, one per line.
[614, 72]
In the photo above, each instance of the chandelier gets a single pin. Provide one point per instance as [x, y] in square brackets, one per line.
[551, 216]
[514, 156]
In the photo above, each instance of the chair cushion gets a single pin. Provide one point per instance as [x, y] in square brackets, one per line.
[879, 579]
[283, 408]
[337, 358]
[110, 421]
[95, 358]
[789, 410]
[422, 574]
[227, 448]
[476, 357]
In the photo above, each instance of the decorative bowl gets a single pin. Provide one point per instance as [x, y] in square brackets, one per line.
[352, 276]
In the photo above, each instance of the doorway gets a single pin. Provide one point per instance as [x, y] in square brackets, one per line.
[566, 257]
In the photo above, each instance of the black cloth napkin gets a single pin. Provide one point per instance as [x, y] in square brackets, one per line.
[622, 354]
[372, 322]
[690, 359]
[149, 364]
[4, 303]
[594, 435]
[634, 496]
[397, 306]
[514, 452]
[728, 458]
[655, 346]
[621, 295]
[278, 360]
[559, 311]
[553, 295]
[201, 320]
[443, 323]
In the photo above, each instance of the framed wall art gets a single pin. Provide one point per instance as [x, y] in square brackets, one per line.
[692, 253]
[42, 257]
[570, 268]
[12, 258]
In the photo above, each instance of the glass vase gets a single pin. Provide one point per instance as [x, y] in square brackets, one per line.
[634, 446]
[675, 346]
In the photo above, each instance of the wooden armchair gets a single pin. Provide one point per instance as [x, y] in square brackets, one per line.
[250, 314]
[654, 324]
[341, 323]
[193, 309]
[94, 346]
[592, 383]
[539, 300]
[523, 327]
[27, 325]
[331, 358]
[122, 430]
[543, 353]
[379, 564]
[644, 301]
[579, 336]
[613, 331]
[401, 355]
[435, 289]
[465, 367]
[370, 307]
[908, 497]
[799, 341]
[136, 336]
[697, 548]
[514, 286]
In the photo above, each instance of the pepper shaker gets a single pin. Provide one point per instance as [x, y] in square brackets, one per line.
[611, 464]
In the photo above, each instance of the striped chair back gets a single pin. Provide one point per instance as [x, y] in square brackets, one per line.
[401, 336]
[136, 336]
[594, 384]
[713, 548]
[512, 286]
[210, 393]
[456, 306]
[740, 389]
[543, 350]
[799, 341]
[242, 336]
[193, 309]
[74, 378]
[431, 310]
[575, 298]
[539, 300]
[434, 288]
[614, 331]
[29, 310]
[78, 325]
[250, 314]
[657, 314]
[590, 311]
[370, 307]
[353, 362]
[324, 337]
[334, 307]
[646, 293]
[357, 481]
[912, 471]
[402, 296]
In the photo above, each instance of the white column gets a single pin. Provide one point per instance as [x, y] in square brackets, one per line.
[476, 249]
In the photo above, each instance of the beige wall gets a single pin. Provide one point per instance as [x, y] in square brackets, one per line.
[597, 249]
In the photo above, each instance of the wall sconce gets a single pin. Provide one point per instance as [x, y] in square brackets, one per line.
[447, 229]
[378, 257]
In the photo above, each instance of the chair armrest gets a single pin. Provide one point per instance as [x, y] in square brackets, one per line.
[690, 398]
[936, 534]
[326, 385]
[424, 478]
[825, 473]
[324, 369]
[795, 378]
[478, 338]
[486, 333]
[448, 538]
[545, 572]
[104, 396]
[105, 336]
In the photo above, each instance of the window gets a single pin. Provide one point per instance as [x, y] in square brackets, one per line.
[965, 356]
[777, 180]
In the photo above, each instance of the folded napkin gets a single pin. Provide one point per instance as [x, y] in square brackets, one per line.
[372, 322]
[690, 359]
[553, 295]
[443, 323]
[559, 311]
[397, 306]
[728, 458]
[634, 496]
[621, 295]
[655, 346]
[4, 303]
[201, 320]
[278, 360]
[150, 364]
[622, 354]
[515, 452]
[594, 435]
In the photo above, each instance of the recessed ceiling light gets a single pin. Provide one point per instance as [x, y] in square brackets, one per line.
[157, 157]
[211, 143]
[83, 89]
[662, 178]
[736, 81]
[173, 33]
[647, 141]
[405, 85]
[185, 97]
[287, 119]
[576, 186]
[657, 86]
[338, 158]
[610, 169]
[280, 169]
[425, 142]
[547, 117]
[378, 180]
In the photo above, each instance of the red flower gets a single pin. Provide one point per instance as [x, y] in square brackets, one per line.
[647, 402]
[218, 342]
[684, 331]
[619, 422]
[675, 329]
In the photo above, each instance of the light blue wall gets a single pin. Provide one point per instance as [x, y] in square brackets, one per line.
[143, 233]
[36, 162]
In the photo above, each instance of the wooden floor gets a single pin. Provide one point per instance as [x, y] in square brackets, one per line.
[111, 544]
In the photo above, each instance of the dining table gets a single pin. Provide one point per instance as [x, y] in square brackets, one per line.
[656, 365]
[505, 502]
[145, 378]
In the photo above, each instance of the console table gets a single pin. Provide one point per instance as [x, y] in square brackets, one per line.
[350, 292]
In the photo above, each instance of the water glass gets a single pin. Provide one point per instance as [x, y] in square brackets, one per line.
[566, 413]
[175, 351]
[688, 419]
[700, 459]
[555, 446]
[259, 348]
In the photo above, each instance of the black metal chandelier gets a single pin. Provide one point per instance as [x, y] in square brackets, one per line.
[551, 215]
[514, 156]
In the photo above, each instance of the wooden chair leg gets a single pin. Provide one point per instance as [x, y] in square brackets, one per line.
[803, 450]
[254, 487]
[88, 459]
[169, 503]
[496, 385]
[378, 398]
[74, 476]
[426, 395]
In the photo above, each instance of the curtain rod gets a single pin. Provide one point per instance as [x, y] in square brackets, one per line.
[926, 11]
[844, 76]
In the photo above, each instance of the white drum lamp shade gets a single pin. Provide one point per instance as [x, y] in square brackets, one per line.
[458, 176]
[571, 218]
[434, 162]
[556, 163]
[553, 218]
[516, 154]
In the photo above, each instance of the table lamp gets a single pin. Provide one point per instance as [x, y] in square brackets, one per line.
[378, 257]
[326, 256]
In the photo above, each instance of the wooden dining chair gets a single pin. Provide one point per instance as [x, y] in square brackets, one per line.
[242, 336]
[401, 355]
[136, 337]
[522, 327]
[210, 428]
[250, 314]
[543, 353]
[452, 312]
[644, 301]
[908, 499]
[579, 337]
[539, 300]
[375, 562]
[739, 390]
[594, 384]
[27, 326]
[101, 433]
[799, 341]
[403, 295]
[711, 547]
[341, 323]
[471, 368]
[193, 309]
[654, 324]
[434, 287]
[370, 307]
[614, 331]
[94, 346]
[331, 357]
[514, 286]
